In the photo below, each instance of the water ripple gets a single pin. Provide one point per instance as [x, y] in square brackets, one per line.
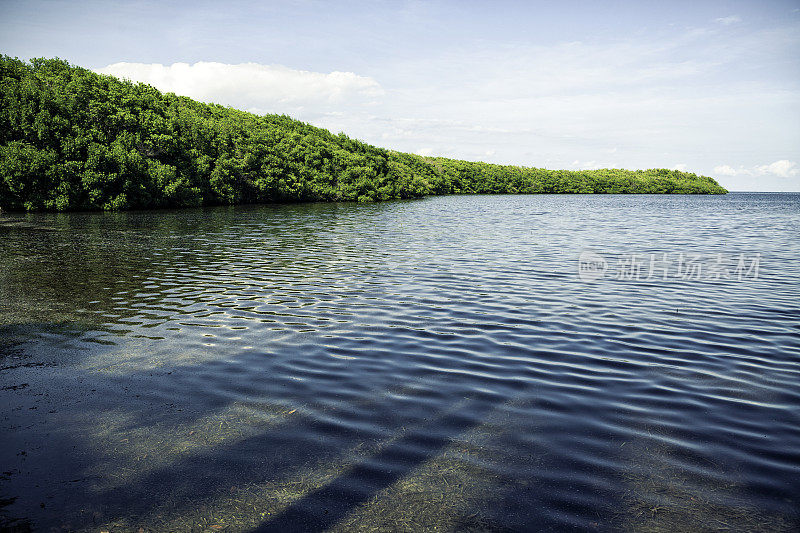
[436, 364]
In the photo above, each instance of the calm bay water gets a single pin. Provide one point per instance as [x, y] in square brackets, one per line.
[433, 364]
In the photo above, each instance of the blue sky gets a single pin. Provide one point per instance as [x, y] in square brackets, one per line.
[712, 87]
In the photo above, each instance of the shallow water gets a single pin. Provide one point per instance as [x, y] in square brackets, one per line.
[433, 364]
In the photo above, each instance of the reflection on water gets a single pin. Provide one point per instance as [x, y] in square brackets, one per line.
[433, 364]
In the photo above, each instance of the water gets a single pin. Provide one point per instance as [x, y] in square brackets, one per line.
[432, 364]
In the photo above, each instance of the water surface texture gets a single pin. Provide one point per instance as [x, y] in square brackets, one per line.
[434, 364]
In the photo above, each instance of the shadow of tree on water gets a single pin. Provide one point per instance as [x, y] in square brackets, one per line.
[89, 450]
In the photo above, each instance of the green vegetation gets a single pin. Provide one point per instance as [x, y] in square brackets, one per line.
[72, 139]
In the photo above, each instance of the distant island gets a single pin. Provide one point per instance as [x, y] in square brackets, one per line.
[72, 139]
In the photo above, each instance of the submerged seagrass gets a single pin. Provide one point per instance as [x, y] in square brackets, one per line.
[73, 139]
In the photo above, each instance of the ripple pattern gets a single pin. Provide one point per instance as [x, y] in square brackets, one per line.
[431, 364]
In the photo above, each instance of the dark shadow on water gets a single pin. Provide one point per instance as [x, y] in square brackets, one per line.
[325, 507]
[374, 461]
[406, 441]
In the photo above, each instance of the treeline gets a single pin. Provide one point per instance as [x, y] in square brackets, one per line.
[71, 139]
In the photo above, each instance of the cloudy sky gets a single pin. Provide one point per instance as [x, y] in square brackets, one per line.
[708, 86]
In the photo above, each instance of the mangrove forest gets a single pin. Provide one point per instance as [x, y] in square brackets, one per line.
[72, 139]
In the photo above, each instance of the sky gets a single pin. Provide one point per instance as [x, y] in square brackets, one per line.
[711, 87]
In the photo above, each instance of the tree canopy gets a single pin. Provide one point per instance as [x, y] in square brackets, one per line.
[72, 139]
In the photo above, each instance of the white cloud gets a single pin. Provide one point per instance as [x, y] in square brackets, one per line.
[253, 86]
[782, 169]
[424, 152]
[680, 167]
[727, 21]
[586, 165]
[725, 170]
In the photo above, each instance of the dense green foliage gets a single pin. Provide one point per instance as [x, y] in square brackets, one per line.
[74, 139]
